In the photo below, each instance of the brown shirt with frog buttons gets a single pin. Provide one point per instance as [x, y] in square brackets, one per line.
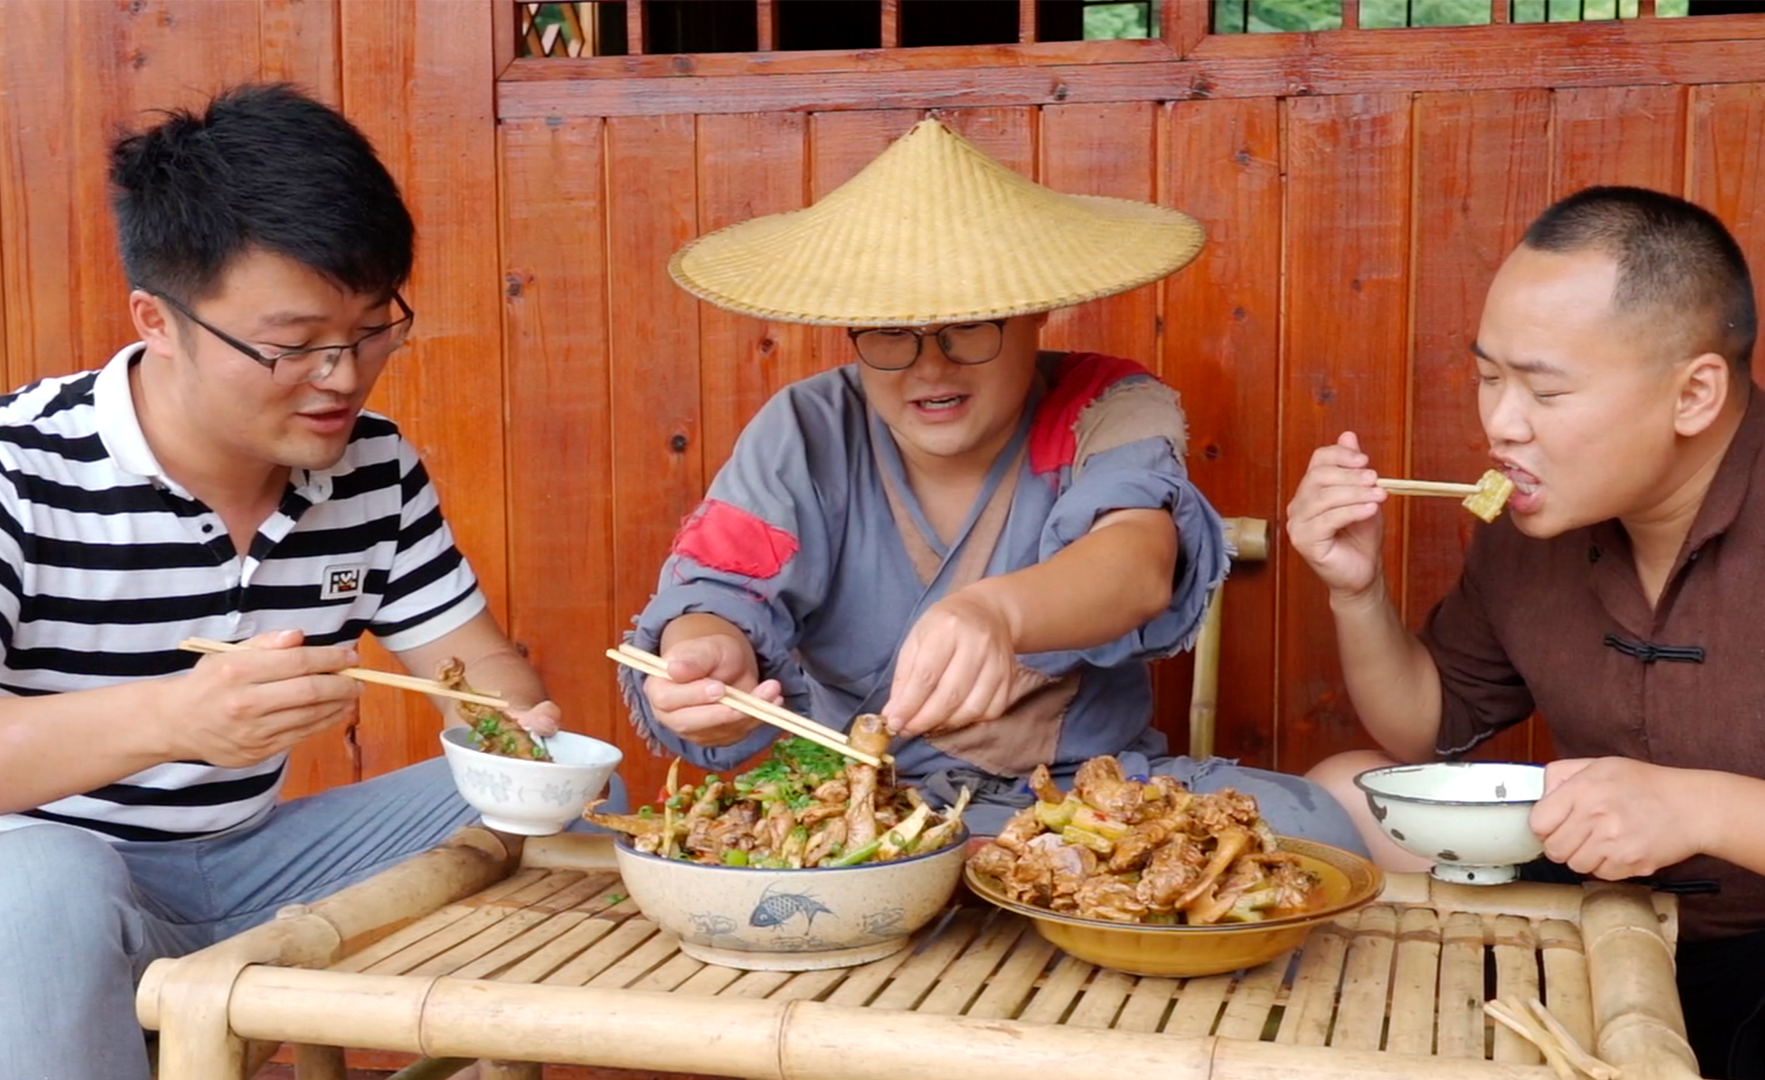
[1562, 625]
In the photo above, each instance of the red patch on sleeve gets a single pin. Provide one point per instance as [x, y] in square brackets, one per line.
[1079, 379]
[725, 537]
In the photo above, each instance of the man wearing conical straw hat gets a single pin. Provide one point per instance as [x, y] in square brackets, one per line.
[986, 543]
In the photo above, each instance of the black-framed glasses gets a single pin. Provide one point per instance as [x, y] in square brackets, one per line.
[291, 367]
[897, 348]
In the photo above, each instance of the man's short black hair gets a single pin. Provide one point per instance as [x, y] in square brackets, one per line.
[1677, 264]
[266, 167]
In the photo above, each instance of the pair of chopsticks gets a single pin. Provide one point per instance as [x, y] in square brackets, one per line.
[367, 675]
[1536, 1024]
[1426, 487]
[758, 708]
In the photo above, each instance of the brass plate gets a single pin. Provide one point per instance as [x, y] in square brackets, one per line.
[1346, 881]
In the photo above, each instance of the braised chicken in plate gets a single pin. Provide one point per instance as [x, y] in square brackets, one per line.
[1133, 851]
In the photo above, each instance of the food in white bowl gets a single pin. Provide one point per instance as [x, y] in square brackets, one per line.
[809, 860]
[493, 730]
[1470, 817]
[528, 797]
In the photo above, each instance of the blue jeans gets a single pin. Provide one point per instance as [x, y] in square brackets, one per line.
[81, 918]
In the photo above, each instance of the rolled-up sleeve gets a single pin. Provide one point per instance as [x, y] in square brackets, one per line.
[756, 553]
[1144, 474]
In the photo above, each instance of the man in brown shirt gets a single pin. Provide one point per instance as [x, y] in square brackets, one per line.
[1620, 596]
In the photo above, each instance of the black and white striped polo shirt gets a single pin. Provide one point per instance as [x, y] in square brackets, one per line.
[106, 564]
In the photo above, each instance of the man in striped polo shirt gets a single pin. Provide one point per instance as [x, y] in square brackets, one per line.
[218, 479]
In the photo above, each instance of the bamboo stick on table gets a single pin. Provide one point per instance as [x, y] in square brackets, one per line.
[1527, 1028]
[1571, 1047]
[367, 675]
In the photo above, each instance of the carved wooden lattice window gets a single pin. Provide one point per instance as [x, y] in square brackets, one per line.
[635, 27]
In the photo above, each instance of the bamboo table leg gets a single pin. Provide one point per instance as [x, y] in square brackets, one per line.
[319, 1063]
[1636, 1011]
[430, 1068]
[187, 1000]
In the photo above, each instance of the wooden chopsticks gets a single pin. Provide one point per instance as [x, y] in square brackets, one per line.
[367, 675]
[1539, 1026]
[1426, 487]
[758, 708]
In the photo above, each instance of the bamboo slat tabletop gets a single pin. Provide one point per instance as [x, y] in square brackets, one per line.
[1359, 982]
[553, 962]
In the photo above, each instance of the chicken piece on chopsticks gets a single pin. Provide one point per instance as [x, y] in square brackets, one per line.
[868, 734]
[493, 730]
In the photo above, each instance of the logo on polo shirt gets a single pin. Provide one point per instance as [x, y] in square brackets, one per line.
[343, 582]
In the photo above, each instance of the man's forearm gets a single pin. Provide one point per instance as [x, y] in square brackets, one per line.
[1734, 805]
[493, 665]
[1390, 675]
[1113, 580]
[64, 744]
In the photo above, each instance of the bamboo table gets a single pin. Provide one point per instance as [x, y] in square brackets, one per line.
[474, 951]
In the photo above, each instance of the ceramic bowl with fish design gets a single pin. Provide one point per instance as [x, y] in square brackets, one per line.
[791, 920]
[1471, 817]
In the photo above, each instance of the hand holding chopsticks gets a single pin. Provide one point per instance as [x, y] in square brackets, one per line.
[759, 708]
[367, 675]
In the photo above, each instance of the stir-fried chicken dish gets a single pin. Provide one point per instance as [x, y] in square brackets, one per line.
[493, 730]
[1128, 851]
[805, 806]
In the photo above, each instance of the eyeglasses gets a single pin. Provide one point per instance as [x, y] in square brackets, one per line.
[291, 367]
[897, 348]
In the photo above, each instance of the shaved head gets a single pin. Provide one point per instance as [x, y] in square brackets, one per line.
[1681, 276]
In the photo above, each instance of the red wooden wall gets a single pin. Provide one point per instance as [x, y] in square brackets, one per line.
[1359, 188]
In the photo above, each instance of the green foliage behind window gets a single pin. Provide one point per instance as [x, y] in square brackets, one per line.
[1277, 16]
[1105, 22]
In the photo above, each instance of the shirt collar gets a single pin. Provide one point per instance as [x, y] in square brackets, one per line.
[119, 428]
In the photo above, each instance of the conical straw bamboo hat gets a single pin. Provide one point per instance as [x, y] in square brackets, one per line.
[934, 231]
